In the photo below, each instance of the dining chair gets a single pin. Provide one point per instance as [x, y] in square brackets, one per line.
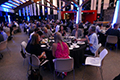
[3, 46]
[23, 51]
[112, 40]
[64, 65]
[34, 62]
[96, 61]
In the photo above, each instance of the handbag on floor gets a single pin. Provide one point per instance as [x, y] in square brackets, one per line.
[35, 75]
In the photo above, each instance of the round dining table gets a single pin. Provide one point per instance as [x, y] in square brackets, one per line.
[76, 51]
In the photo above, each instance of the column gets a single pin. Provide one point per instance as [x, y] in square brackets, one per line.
[27, 10]
[92, 4]
[43, 8]
[34, 5]
[106, 4]
[72, 7]
[63, 5]
[48, 8]
[79, 16]
[116, 17]
[38, 8]
[55, 4]
[59, 14]
[99, 6]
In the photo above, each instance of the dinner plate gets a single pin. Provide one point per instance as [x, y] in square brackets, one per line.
[43, 45]
[77, 46]
[70, 48]
[80, 42]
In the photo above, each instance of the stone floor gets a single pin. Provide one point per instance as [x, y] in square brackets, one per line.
[12, 68]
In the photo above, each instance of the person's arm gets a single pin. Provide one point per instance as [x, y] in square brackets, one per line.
[43, 53]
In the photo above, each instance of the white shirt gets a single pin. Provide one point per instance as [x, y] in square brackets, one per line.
[94, 41]
[57, 28]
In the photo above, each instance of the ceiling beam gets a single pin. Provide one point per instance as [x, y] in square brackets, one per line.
[51, 4]
[66, 5]
[75, 3]
[84, 2]
[47, 6]
[23, 5]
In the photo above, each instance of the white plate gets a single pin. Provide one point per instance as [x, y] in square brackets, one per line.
[77, 46]
[70, 48]
[80, 42]
[43, 45]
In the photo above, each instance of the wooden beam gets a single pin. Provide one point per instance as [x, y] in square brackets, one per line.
[51, 4]
[47, 6]
[66, 5]
[84, 2]
[75, 3]
[23, 5]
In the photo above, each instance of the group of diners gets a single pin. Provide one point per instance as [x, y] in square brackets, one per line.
[60, 49]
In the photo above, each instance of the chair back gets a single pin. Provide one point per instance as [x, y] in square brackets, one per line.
[112, 39]
[103, 53]
[3, 45]
[33, 60]
[23, 46]
[63, 65]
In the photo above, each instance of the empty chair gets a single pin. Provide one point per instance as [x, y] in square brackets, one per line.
[97, 61]
[112, 40]
[23, 51]
[64, 65]
[3, 45]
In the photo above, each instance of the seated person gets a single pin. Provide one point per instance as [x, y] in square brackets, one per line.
[35, 31]
[113, 31]
[3, 33]
[33, 47]
[92, 40]
[62, 31]
[77, 32]
[46, 33]
[60, 49]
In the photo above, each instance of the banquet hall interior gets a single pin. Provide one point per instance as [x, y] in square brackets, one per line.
[76, 21]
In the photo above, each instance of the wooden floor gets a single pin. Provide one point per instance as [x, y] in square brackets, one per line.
[12, 68]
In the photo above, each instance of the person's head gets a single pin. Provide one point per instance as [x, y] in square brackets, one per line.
[58, 37]
[92, 29]
[36, 29]
[48, 26]
[35, 39]
[61, 28]
[116, 26]
[45, 29]
[9, 25]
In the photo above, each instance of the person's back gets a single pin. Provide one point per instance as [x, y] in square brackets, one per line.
[114, 32]
[61, 53]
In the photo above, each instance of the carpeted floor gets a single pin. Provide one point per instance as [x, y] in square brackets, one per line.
[12, 68]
